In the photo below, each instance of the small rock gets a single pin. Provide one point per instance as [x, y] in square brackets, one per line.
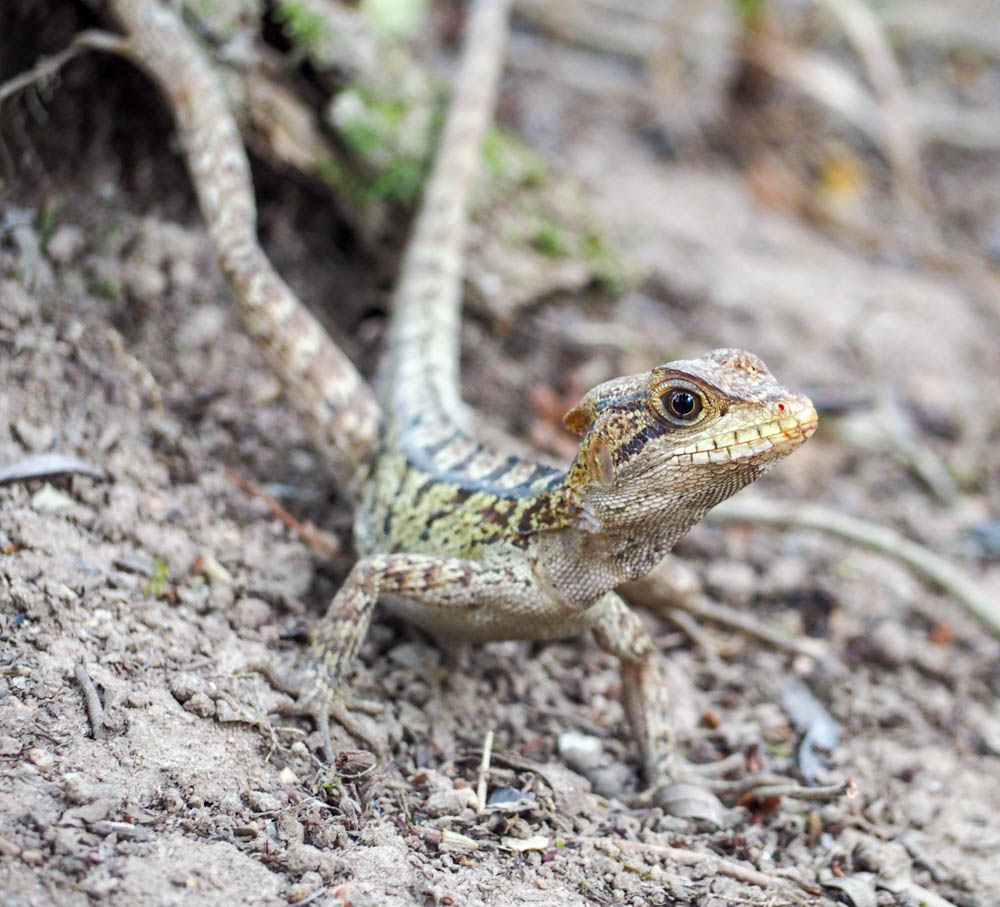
[450, 802]
[183, 687]
[226, 714]
[14, 299]
[889, 644]
[581, 752]
[145, 282]
[78, 789]
[65, 244]
[37, 438]
[201, 704]
[9, 746]
[48, 500]
[504, 796]
[287, 777]
[262, 802]
[732, 581]
[784, 576]
[41, 758]
[252, 613]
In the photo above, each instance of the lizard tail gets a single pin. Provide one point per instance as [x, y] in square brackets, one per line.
[320, 381]
[420, 364]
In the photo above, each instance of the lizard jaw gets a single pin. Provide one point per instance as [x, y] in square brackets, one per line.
[767, 440]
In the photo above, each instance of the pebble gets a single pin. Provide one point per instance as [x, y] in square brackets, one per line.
[581, 752]
[145, 282]
[36, 438]
[183, 687]
[252, 613]
[732, 582]
[16, 300]
[201, 704]
[41, 758]
[450, 802]
[784, 576]
[503, 795]
[66, 242]
[48, 500]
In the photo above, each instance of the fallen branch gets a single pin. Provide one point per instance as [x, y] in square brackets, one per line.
[878, 538]
[711, 863]
[657, 589]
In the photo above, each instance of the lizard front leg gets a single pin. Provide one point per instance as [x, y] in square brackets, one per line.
[645, 696]
[428, 580]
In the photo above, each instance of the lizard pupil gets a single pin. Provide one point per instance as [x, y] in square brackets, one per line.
[682, 404]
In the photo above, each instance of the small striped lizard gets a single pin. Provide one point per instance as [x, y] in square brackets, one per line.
[467, 541]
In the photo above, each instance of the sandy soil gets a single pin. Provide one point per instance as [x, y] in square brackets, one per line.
[160, 582]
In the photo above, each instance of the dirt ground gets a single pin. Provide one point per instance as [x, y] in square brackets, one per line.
[157, 581]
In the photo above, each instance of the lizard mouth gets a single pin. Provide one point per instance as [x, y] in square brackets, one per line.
[763, 441]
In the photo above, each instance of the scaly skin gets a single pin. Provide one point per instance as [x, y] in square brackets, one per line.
[465, 540]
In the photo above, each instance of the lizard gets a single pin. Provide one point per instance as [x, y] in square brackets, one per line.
[467, 541]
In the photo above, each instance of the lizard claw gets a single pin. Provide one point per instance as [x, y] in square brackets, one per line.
[319, 702]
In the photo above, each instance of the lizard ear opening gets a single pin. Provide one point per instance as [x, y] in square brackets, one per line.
[579, 418]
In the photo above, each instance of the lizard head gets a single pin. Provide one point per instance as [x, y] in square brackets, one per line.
[673, 442]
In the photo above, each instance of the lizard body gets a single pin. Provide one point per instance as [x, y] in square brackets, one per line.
[463, 539]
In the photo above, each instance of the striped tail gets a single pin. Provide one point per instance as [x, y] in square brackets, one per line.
[420, 363]
[320, 381]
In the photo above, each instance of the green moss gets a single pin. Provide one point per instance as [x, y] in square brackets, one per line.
[159, 580]
[400, 182]
[550, 240]
[399, 18]
[107, 288]
[48, 217]
[301, 26]
[607, 267]
[508, 159]
[750, 11]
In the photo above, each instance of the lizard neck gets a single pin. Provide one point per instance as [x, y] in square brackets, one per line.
[594, 544]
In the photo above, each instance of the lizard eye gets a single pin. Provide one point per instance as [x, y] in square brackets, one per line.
[681, 404]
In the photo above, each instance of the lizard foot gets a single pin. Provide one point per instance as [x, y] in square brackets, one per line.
[319, 701]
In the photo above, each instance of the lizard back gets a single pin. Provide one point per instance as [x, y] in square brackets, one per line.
[435, 487]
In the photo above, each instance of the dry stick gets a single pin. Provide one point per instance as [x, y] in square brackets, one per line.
[878, 538]
[484, 771]
[95, 712]
[320, 541]
[654, 590]
[865, 32]
[799, 792]
[47, 67]
[714, 863]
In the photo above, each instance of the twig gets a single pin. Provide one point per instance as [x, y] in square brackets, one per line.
[655, 589]
[866, 33]
[484, 771]
[92, 702]
[714, 864]
[686, 622]
[47, 67]
[878, 538]
[324, 543]
[799, 792]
